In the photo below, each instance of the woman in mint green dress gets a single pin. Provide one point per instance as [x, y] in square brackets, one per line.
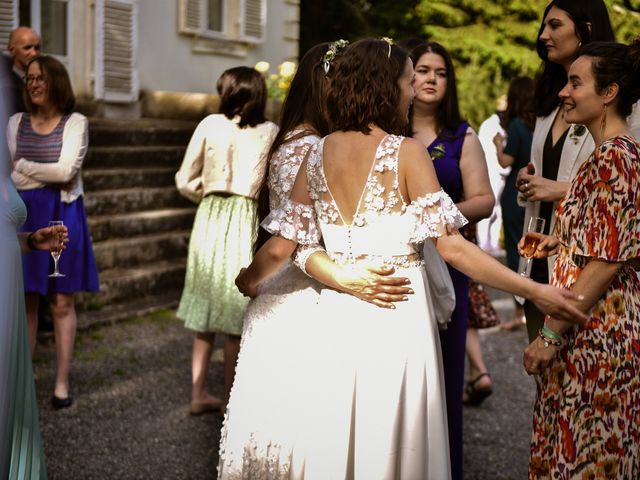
[223, 170]
[21, 452]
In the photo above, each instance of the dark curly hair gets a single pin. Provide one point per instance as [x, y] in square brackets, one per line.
[616, 63]
[243, 92]
[364, 88]
[592, 23]
[59, 90]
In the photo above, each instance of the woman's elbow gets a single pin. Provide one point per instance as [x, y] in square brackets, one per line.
[279, 249]
[449, 249]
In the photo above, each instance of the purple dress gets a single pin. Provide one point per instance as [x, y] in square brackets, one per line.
[77, 261]
[445, 151]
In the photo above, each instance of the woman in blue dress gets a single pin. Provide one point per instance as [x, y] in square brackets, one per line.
[48, 145]
[459, 162]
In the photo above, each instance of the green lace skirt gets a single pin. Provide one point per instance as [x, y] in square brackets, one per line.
[224, 231]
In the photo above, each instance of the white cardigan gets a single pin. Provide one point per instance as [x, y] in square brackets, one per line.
[575, 151]
[28, 175]
[222, 157]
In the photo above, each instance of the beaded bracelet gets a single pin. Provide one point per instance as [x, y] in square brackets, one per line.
[549, 341]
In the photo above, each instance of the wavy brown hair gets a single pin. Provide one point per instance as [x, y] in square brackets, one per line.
[364, 88]
[59, 90]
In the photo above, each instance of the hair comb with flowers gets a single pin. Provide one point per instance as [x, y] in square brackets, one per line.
[389, 42]
[331, 53]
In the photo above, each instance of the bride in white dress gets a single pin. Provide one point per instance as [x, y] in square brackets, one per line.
[271, 326]
[371, 377]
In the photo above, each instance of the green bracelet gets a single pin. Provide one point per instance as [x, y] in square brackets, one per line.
[547, 332]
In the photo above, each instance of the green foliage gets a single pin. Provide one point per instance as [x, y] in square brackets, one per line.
[491, 41]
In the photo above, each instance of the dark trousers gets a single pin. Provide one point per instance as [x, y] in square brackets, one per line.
[453, 341]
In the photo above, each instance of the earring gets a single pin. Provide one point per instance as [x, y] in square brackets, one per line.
[579, 44]
[603, 121]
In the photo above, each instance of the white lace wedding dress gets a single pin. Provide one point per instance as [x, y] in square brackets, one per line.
[367, 388]
[252, 439]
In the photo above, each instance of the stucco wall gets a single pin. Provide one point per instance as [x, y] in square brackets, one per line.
[166, 60]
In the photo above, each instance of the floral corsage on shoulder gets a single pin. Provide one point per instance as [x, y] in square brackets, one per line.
[576, 132]
[438, 152]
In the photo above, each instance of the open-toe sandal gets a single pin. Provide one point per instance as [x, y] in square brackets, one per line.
[475, 396]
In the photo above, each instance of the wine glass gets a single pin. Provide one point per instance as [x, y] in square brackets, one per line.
[56, 246]
[532, 239]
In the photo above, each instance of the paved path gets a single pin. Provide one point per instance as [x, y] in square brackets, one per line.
[131, 385]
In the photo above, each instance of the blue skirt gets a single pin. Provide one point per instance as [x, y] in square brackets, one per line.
[76, 262]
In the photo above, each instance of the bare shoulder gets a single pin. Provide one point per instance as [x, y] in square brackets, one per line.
[413, 148]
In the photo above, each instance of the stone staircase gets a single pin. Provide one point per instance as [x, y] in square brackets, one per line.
[139, 223]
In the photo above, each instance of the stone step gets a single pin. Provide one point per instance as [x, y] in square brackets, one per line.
[127, 225]
[114, 178]
[134, 156]
[133, 199]
[115, 312]
[122, 285]
[141, 250]
[105, 132]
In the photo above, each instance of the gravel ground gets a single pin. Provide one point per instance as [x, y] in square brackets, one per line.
[131, 384]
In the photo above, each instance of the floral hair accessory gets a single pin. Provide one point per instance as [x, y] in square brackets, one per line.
[390, 42]
[331, 53]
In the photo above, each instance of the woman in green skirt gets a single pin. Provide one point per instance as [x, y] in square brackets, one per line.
[223, 170]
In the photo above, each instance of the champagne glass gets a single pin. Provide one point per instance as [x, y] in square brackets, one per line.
[56, 246]
[532, 239]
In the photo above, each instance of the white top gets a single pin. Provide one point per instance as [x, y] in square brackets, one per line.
[28, 175]
[222, 157]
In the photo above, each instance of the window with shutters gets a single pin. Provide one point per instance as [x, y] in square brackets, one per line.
[116, 41]
[223, 26]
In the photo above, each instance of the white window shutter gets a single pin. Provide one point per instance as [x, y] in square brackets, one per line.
[8, 21]
[116, 50]
[253, 20]
[189, 16]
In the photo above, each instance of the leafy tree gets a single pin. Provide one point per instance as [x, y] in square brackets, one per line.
[491, 41]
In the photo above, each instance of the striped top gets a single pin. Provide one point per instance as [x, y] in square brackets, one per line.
[37, 147]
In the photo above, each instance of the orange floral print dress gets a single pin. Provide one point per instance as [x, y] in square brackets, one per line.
[586, 421]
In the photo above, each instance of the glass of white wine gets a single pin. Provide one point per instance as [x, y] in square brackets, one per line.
[56, 245]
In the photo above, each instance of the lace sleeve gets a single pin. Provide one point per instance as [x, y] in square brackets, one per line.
[293, 221]
[435, 213]
[302, 254]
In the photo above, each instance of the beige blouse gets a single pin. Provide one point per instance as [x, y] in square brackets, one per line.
[221, 157]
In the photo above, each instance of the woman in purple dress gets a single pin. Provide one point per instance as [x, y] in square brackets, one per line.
[47, 146]
[459, 162]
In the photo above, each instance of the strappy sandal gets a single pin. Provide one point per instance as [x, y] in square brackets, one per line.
[475, 396]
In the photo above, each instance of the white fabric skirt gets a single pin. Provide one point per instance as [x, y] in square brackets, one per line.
[352, 391]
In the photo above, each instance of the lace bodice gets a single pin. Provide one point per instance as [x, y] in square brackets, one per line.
[386, 227]
[284, 166]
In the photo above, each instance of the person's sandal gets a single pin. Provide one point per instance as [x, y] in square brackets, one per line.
[475, 396]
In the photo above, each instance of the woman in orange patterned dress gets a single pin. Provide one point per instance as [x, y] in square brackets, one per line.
[587, 415]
